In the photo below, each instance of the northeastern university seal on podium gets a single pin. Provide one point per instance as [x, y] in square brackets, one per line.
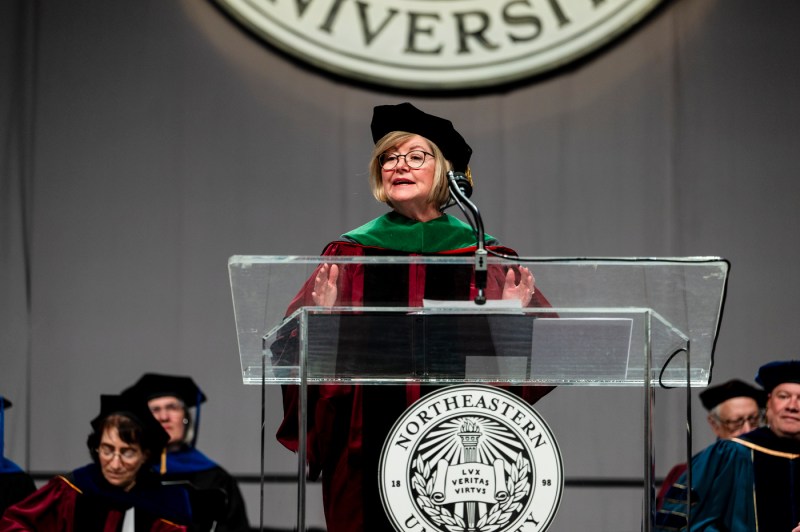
[471, 458]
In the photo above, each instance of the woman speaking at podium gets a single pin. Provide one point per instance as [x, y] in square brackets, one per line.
[347, 424]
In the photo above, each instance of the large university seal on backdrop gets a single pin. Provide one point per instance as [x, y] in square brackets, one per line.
[438, 44]
[471, 458]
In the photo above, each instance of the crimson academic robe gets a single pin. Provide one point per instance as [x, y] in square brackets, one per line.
[83, 502]
[672, 477]
[348, 424]
[15, 484]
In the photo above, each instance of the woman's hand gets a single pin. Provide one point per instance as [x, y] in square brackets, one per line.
[522, 291]
[325, 290]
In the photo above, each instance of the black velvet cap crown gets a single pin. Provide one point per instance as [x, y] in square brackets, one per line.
[715, 395]
[440, 131]
[154, 437]
[774, 373]
[152, 385]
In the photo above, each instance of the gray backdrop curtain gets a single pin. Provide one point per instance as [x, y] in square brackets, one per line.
[143, 143]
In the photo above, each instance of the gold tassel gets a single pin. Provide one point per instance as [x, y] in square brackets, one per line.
[164, 461]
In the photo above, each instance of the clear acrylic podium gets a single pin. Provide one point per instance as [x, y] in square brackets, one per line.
[612, 322]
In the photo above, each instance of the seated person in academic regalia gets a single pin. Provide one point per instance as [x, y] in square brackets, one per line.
[750, 482]
[169, 398]
[15, 484]
[734, 408]
[118, 491]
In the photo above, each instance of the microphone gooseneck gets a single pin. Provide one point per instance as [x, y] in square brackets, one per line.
[461, 189]
[461, 181]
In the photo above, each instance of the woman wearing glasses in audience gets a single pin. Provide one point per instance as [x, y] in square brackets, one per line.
[117, 491]
[347, 424]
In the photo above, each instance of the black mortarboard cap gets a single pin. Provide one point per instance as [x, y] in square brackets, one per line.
[154, 437]
[440, 131]
[5, 402]
[774, 373]
[152, 385]
[714, 395]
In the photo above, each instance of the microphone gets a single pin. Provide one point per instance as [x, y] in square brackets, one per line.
[461, 189]
[461, 182]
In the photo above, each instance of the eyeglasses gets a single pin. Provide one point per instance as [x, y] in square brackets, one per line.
[169, 408]
[736, 424]
[127, 455]
[414, 159]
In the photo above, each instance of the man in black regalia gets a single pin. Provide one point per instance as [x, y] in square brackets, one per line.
[734, 408]
[217, 502]
[751, 482]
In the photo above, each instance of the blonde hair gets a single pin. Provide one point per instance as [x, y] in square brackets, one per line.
[440, 191]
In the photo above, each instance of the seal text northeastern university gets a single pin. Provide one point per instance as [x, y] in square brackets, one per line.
[438, 44]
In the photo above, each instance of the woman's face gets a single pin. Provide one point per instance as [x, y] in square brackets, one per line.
[407, 188]
[120, 461]
[170, 412]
